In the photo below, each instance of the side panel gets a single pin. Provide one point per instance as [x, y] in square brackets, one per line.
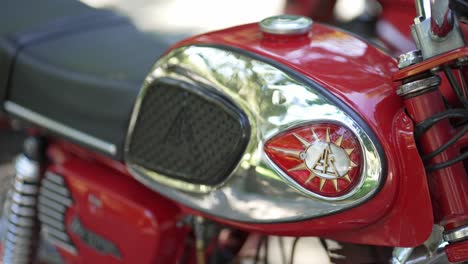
[358, 74]
[138, 225]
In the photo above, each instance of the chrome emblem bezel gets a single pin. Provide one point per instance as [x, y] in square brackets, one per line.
[339, 161]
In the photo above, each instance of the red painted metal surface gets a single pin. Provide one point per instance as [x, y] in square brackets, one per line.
[360, 75]
[431, 63]
[449, 186]
[141, 223]
[457, 252]
[291, 155]
[278, 39]
[393, 26]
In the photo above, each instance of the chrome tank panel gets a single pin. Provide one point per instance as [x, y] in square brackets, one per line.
[274, 101]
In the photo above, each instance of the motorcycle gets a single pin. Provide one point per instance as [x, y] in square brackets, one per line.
[286, 127]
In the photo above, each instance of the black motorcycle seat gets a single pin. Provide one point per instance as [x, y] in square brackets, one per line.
[73, 69]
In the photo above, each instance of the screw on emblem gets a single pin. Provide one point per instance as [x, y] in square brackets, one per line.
[323, 154]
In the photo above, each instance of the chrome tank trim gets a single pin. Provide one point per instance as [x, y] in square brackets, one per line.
[274, 101]
[60, 128]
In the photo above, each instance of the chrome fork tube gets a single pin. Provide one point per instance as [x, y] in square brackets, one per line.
[423, 8]
[442, 20]
[22, 227]
[435, 29]
[438, 11]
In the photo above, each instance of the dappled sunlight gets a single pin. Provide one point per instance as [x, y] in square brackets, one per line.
[191, 16]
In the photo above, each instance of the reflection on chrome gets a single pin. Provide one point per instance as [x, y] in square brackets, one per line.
[257, 190]
[341, 43]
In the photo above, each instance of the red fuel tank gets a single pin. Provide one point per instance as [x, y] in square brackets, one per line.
[360, 75]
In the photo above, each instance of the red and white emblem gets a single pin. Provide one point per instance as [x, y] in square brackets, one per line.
[325, 159]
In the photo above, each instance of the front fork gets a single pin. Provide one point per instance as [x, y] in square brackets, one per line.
[439, 130]
[436, 138]
[21, 234]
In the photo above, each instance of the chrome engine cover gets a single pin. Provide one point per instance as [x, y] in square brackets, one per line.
[274, 99]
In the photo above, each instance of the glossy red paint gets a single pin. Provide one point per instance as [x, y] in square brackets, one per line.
[141, 223]
[430, 63]
[292, 149]
[274, 39]
[393, 26]
[457, 252]
[448, 186]
[359, 75]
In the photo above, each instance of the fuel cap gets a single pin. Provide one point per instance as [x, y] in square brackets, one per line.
[286, 25]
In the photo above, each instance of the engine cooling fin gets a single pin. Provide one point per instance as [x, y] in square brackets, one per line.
[54, 199]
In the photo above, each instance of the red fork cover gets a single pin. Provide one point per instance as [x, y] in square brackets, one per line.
[457, 252]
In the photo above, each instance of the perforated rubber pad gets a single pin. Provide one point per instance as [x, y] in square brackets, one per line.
[196, 137]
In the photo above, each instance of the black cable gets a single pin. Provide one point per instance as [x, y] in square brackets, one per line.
[216, 256]
[259, 247]
[455, 85]
[324, 244]
[293, 250]
[265, 259]
[462, 114]
[436, 152]
[461, 123]
[448, 163]
[425, 125]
